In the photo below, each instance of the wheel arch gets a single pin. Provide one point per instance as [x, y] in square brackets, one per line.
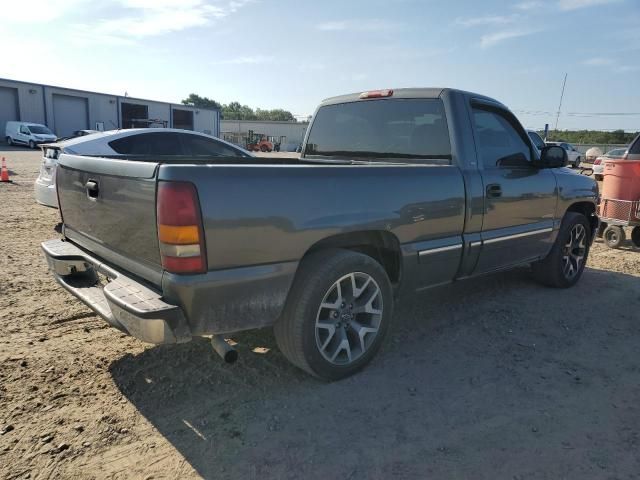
[588, 209]
[382, 246]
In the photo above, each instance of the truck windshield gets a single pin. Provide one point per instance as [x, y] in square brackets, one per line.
[381, 129]
[39, 129]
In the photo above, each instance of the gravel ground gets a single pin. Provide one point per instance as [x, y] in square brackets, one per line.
[490, 378]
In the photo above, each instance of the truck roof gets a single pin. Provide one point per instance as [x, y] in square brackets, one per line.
[425, 92]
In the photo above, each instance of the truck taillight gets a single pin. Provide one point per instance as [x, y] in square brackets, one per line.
[180, 231]
[377, 94]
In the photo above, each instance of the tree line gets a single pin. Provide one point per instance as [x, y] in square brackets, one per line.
[590, 136]
[236, 111]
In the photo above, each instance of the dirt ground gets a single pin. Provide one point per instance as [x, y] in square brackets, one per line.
[493, 378]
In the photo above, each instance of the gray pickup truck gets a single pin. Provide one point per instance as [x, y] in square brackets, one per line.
[395, 191]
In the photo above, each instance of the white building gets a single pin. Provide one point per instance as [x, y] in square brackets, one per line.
[65, 110]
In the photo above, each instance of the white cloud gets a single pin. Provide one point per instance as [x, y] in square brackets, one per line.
[135, 19]
[485, 20]
[491, 39]
[363, 25]
[598, 62]
[37, 11]
[576, 4]
[528, 5]
[246, 60]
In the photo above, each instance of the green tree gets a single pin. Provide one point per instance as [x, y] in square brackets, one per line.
[196, 100]
[276, 115]
[619, 137]
[236, 111]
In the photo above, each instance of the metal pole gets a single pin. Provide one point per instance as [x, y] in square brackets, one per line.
[560, 105]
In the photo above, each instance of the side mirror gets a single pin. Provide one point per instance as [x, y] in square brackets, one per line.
[552, 156]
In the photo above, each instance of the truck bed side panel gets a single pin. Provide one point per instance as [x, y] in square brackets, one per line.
[256, 215]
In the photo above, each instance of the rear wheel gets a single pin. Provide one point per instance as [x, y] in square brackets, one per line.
[576, 164]
[9, 141]
[337, 314]
[635, 237]
[563, 266]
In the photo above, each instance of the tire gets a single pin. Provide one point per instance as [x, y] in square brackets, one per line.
[32, 144]
[635, 237]
[602, 226]
[319, 316]
[9, 141]
[264, 148]
[598, 177]
[614, 236]
[576, 164]
[563, 266]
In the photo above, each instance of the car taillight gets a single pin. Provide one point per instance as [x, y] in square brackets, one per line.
[180, 232]
[597, 161]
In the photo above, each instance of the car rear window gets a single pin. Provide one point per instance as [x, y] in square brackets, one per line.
[382, 129]
[160, 143]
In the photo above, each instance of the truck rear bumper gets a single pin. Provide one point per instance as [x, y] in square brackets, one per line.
[222, 301]
[124, 303]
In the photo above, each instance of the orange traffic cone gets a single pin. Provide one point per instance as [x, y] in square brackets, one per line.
[4, 173]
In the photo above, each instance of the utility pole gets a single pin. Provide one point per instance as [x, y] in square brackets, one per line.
[560, 105]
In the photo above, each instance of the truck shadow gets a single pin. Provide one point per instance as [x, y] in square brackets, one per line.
[482, 378]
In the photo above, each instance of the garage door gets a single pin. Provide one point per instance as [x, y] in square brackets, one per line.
[8, 107]
[69, 114]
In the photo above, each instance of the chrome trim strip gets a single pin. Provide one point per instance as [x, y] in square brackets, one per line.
[476, 244]
[519, 235]
[440, 249]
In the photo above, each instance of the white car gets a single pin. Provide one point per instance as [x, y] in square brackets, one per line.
[598, 163]
[575, 157]
[129, 144]
[27, 133]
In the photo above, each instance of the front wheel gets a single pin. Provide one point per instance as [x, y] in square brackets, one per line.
[576, 164]
[337, 314]
[563, 266]
[32, 144]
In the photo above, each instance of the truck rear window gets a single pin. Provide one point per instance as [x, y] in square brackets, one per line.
[382, 129]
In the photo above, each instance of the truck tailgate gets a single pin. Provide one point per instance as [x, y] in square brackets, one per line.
[109, 208]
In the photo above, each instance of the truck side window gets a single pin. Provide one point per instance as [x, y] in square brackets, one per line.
[499, 142]
[24, 130]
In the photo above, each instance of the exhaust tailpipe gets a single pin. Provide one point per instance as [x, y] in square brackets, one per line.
[222, 348]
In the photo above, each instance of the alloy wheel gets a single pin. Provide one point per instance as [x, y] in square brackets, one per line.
[348, 319]
[574, 251]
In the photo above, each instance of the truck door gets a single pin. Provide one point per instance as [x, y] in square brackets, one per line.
[519, 199]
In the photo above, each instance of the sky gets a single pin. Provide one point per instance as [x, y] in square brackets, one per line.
[291, 54]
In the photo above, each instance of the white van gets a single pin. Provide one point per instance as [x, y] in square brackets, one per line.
[27, 133]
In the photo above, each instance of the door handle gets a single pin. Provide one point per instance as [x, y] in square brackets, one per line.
[494, 190]
[92, 189]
